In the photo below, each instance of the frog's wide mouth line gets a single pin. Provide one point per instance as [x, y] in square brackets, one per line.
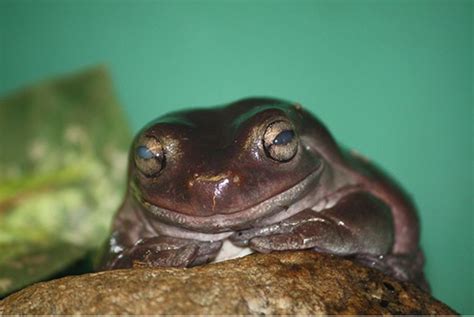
[232, 221]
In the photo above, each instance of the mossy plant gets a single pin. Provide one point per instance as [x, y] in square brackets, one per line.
[63, 154]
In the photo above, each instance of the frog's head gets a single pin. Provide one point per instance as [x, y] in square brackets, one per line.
[211, 169]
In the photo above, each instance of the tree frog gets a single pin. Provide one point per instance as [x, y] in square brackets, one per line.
[257, 175]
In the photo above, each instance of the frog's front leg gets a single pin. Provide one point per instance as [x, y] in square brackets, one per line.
[167, 251]
[358, 223]
[134, 242]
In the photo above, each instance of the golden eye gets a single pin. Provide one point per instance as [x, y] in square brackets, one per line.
[280, 141]
[149, 156]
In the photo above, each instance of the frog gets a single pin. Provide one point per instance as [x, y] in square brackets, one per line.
[258, 175]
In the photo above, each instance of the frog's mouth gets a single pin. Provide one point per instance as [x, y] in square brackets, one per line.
[289, 202]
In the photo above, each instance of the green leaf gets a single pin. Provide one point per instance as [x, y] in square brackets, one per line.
[63, 156]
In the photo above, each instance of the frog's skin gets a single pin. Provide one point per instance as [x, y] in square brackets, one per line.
[261, 175]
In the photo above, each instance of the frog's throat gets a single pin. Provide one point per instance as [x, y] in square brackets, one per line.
[282, 202]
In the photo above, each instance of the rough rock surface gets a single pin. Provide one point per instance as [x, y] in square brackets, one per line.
[276, 283]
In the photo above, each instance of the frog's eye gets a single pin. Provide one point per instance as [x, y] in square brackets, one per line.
[149, 156]
[280, 141]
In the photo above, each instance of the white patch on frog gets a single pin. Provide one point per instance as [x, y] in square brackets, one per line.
[230, 251]
[114, 246]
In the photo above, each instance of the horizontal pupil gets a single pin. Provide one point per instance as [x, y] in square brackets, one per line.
[144, 153]
[284, 137]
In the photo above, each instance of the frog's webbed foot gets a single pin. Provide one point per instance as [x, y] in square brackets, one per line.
[359, 223]
[167, 251]
[404, 267]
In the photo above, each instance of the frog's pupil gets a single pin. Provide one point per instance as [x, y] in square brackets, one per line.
[144, 153]
[284, 137]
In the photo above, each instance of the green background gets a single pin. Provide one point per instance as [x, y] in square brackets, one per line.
[392, 79]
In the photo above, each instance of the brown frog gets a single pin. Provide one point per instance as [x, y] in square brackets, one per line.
[257, 175]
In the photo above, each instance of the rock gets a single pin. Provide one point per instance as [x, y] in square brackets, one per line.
[276, 283]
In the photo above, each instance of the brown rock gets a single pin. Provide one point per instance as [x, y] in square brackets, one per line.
[276, 283]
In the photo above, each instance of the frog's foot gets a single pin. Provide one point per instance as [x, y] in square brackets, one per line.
[404, 267]
[167, 251]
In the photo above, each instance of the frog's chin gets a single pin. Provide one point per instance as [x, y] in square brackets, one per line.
[288, 202]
